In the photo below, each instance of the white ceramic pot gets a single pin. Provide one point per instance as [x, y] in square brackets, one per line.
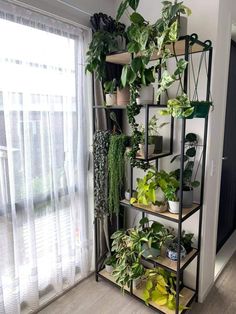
[111, 100]
[127, 196]
[146, 95]
[173, 207]
[109, 269]
[159, 209]
[141, 151]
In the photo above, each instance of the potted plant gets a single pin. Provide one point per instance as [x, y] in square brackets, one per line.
[110, 263]
[127, 248]
[110, 93]
[187, 241]
[155, 140]
[201, 108]
[157, 236]
[160, 288]
[173, 200]
[159, 206]
[189, 177]
[172, 251]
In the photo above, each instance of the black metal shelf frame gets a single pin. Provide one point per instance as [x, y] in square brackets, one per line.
[179, 219]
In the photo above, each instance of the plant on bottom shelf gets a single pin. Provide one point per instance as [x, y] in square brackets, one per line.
[127, 248]
[160, 288]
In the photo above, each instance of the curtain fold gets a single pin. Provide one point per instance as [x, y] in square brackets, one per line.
[46, 208]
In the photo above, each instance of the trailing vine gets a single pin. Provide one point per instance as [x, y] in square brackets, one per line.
[116, 166]
[100, 151]
[133, 109]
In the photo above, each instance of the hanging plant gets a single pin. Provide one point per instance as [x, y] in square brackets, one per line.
[100, 151]
[116, 166]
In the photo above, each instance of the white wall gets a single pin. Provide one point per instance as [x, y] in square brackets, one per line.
[211, 19]
[89, 7]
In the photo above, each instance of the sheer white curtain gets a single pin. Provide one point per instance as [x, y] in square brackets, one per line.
[46, 238]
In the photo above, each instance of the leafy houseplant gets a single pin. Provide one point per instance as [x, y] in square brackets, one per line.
[110, 263]
[157, 236]
[110, 92]
[161, 288]
[189, 178]
[187, 241]
[154, 137]
[100, 151]
[145, 40]
[127, 248]
[116, 164]
[107, 33]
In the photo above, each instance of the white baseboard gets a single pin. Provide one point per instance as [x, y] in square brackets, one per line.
[224, 255]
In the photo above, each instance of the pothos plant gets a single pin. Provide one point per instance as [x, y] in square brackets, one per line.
[161, 288]
[145, 39]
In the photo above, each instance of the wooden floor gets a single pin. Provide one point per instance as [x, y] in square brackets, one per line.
[90, 297]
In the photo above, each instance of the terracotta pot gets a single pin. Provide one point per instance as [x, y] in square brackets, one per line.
[173, 207]
[146, 95]
[123, 96]
[111, 100]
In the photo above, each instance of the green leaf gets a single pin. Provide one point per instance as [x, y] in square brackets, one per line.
[195, 184]
[188, 112]
[154, 295]
[137, 64]
[149, 285]
[146, 295]
[133, 47]
[136, 18]
[133, 200]
[186, 10]
[162, 299]
[144, 221]
[124, 75]
[123, 6]
[131, 75]
[134, 4]
[191, 152]
[173, 33]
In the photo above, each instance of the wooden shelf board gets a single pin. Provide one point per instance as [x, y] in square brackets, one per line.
[172, 265]
[125, 57]
[154, 156]
[165, 215]
[108, 276]
[187, 296]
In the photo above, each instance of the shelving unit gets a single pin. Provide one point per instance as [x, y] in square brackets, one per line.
[184, 47]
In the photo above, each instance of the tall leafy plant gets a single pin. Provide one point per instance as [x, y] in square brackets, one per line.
[100, 151]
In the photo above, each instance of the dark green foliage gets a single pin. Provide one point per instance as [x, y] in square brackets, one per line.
[116, 170]
[100, 151]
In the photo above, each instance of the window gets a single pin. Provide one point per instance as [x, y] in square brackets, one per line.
[45, 244]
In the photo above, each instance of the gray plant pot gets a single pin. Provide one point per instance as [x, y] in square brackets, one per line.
[183, 21]
[158, 142]
[187, 198]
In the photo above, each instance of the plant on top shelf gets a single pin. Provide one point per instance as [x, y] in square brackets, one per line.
[160, 288]
[106, 36]
[145, 39]
[189, 177]
[155, 141]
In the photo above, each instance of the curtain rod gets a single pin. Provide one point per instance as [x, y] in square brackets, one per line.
[49, 14]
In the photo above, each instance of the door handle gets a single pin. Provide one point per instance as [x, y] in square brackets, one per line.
[224, 158]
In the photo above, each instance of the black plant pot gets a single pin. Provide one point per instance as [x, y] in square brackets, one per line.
[158, 142]
[201, 108]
